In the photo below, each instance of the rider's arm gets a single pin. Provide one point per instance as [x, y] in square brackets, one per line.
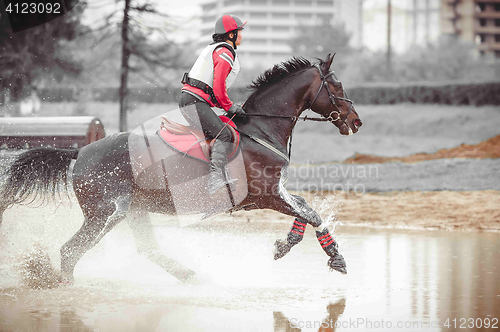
[223, 62]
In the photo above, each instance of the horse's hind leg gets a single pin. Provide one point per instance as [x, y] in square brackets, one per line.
[305, 214]
[99, 220]
[146, 245]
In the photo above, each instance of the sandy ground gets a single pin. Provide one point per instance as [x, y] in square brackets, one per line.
[486, 149]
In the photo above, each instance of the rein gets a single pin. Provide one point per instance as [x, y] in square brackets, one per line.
[294, 118]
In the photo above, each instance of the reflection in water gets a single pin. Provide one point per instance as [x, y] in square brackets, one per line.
[473, 288]
[70, 321]
[329, 324]
[430, 277]
[282, 323]
[42, 319]
[398, 280]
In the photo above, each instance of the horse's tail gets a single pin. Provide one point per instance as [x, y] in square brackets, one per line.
[37, 173]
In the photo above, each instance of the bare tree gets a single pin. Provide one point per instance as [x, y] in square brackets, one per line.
[124, 67]
[146, 53]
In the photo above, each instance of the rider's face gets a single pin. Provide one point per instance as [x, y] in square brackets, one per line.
[240, 36]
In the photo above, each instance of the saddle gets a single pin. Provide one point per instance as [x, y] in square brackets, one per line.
[191, 141]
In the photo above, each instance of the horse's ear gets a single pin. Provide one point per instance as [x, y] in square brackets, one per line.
[329, 60]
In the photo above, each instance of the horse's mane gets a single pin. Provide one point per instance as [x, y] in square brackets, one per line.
[277, 73]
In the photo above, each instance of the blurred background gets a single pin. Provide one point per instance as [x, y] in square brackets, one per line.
[122, 60]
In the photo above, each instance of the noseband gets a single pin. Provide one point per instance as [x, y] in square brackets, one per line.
[331, 96]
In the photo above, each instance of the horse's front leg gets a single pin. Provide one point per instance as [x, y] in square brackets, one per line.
[297, 206]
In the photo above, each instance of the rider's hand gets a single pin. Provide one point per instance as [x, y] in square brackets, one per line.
[236, 109]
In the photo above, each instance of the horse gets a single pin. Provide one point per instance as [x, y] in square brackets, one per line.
[104, 186]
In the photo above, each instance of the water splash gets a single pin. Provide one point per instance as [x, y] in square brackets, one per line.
[328, 208]
[36, 270]
[7, 158]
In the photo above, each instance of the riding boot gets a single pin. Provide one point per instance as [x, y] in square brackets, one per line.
[219, 172]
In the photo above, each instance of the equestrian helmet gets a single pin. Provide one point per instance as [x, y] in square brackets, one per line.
[228, 23]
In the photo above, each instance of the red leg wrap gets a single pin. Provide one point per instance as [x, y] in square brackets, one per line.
[297, 232]
[327, 242]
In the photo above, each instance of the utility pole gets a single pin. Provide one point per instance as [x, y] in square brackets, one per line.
[415, 21]
[124, 68]
[389, 10]
[360, 24]
[427, 22]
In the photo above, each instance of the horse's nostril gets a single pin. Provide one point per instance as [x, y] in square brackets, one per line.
[357, 122]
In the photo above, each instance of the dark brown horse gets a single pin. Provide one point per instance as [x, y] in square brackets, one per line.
[106, 190]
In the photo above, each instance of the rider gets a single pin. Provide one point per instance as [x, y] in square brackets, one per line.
[205, 86]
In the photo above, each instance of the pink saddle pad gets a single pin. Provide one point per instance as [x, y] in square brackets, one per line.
[190, 145]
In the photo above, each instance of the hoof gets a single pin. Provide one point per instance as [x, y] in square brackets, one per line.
[187, 276]
[198, 279]
[66, 279]
[281, 248]
[337, 263]
[65, 282]
[192, 280]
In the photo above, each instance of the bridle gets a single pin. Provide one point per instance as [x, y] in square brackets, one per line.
[330, 118]
[331, 96]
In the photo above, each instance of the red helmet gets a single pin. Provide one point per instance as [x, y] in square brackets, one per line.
[228, 23]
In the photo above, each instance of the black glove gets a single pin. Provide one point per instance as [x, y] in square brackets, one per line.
[236, 109]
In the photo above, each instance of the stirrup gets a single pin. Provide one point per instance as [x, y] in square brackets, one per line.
[218, 179]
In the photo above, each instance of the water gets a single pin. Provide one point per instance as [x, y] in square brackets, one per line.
[401, 280]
